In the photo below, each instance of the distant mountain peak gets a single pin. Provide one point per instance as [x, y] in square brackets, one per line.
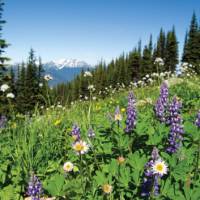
[62, 70]
[68, 63]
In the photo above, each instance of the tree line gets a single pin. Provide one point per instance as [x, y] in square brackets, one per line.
[137, 63]
[126, 68]
[27, 87]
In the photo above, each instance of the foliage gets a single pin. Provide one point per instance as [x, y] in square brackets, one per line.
[114, 158]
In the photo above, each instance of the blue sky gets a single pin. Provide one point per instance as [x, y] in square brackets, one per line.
[90, 30]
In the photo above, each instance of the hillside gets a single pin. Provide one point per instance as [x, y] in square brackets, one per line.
[109, 163]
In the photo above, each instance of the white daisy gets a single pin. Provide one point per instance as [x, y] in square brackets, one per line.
[81, 147]
[159, 167]
[68, 167]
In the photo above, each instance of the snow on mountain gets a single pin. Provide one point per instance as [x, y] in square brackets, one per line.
[67, 63]
[62, 70]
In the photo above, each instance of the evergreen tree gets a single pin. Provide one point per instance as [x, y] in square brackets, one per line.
[160, 46]
[42, 85]
[171, 52]
[191, 53]
[3, 45]
[185, 50]
[134, 65]
[146, 63]
[12, 80]
[4, 107]
[21, 98]
[32, 87]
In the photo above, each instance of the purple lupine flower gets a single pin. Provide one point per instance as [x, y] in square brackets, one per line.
[76, 133]
[3, 121]
[162, 103]
[156, 185]
[131, 113]
[176, 127]
[34, 189]
[151, 180]
[91, 133]
[197, 122]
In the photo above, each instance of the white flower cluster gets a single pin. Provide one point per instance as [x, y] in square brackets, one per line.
[187, 70]
[87, 74]
[10, 95]
[48, 77]
[159, 61]
[91, 88]
[4, 88]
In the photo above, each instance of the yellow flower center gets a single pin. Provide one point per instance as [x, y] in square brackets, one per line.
[79, 147]
[67, 167]
[107, 188]
[118, 117]
[159, 167]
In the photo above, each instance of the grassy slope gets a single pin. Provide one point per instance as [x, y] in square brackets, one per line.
[42, 143]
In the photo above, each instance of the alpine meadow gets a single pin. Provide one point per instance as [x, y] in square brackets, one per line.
[124, 128]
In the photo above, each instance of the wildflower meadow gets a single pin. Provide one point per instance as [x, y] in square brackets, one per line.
[138, 143]
[96, 124]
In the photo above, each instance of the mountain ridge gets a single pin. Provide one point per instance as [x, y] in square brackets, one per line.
[63, 70]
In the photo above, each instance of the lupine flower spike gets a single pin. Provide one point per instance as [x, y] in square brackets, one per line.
[176, 128]
[154, 170]
[34, 189]
[162, 103]
[131, 113]
[76, 133]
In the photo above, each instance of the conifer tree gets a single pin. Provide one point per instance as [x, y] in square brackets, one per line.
[160, 46]
[3, 45]
[171, 52]
[21, 98]
[12, 80]
[146, 63]
[134, 65]
[32, 87]
[192, 44]
[3, 78]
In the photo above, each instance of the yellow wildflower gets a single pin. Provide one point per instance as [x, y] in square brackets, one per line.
[57, 122]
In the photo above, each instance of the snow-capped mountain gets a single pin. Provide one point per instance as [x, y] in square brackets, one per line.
[62, 70]
[67, 63]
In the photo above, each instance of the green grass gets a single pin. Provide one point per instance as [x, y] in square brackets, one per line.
[42, 144]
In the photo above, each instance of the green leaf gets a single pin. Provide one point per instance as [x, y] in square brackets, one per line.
[55, 185]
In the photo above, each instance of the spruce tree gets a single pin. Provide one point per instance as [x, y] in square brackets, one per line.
[160, 46]
[12, 80]
[134, 65]
[4, 107]
[32, 86]
[185, 47]
[146, 63]
[191, 53]
[3, 45]
[171, 52]
[21, 98]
